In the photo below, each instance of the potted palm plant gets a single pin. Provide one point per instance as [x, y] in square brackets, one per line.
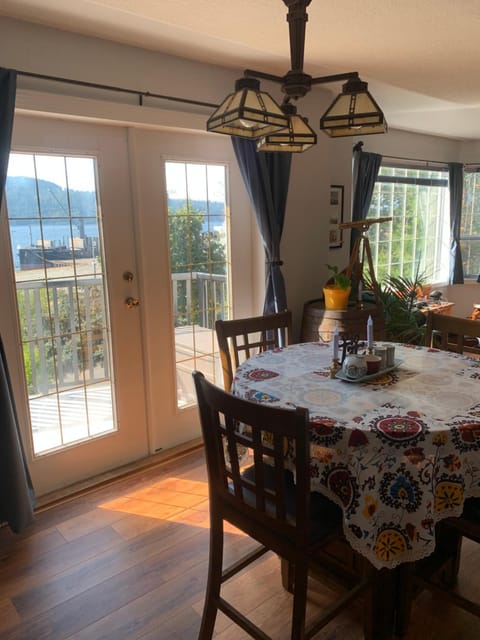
[404, 322]
[337, 290]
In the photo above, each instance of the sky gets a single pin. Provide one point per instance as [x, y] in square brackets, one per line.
[80, 171]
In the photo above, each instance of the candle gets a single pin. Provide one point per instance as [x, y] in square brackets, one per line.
[369, 332]
[335, 342]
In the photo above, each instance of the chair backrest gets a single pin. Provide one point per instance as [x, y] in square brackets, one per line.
[241, 339]
[255, 499]
[452, 333]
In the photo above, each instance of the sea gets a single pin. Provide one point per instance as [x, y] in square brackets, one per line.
[59, 234]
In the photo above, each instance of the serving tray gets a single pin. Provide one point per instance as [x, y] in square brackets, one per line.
[371, 376]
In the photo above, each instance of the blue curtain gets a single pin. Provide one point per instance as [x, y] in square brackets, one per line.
[16, 490]
[455, 184]
[365, 171]
[266, 177]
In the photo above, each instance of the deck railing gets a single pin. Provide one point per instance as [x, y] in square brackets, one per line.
[199, 298]
[65, 337]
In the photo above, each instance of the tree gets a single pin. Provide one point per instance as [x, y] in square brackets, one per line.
[196, 250]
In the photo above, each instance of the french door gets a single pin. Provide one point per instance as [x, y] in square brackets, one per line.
[72, 326]
[99, 346]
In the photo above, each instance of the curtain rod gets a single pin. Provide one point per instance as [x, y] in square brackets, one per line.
[93, 85]
[416, 160]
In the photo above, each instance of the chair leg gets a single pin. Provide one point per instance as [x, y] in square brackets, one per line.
[449, 545]
[380, 605]
[214, 580]
[404, 598]
[300, 572]
[288, 579]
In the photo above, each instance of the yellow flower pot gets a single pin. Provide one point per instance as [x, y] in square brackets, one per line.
[336, 298]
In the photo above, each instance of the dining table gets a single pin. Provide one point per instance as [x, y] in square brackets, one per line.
[398, 451]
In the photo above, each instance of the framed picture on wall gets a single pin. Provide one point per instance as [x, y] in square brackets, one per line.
[335, 216]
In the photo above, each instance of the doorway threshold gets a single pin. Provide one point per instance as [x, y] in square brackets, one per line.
[49, 500]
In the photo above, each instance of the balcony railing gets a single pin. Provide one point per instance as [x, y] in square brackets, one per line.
[64, 334]
[199, 298]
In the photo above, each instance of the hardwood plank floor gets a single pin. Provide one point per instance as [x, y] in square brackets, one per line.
[128, 561]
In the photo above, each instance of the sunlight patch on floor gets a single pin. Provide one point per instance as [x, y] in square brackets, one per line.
[173, 499]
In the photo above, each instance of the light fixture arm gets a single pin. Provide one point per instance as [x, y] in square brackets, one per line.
[336, 77]
[284, 80]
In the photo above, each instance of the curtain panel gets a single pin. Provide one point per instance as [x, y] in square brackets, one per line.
[455, 183]
[16, 494]
[266, 177]
[365, 171]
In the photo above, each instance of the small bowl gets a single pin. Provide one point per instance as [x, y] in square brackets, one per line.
[373, 363]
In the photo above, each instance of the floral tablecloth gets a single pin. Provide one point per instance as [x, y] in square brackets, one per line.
[397, 453]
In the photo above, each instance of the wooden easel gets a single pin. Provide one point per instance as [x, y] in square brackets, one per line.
[357, 257]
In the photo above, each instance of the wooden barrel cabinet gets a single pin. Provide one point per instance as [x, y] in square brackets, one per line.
[318, 323]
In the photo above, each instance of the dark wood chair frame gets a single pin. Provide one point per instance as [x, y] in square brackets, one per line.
[241, 339]
[257, 504]
[452, 333]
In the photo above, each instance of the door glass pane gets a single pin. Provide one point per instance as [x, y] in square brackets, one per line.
[55, 231]
[199, 265]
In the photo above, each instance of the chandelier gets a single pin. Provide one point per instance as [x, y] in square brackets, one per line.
[251, 113]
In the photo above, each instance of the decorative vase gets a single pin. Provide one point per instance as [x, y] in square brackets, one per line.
[335, 298]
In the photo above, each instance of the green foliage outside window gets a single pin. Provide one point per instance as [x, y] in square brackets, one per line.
[54, 333]
[198, 251]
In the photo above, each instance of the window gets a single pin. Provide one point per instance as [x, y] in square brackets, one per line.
[470, 225]
[199, 265]
[417, 239]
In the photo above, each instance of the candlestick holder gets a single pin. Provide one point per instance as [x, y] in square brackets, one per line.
[348, 345]
[335, 367]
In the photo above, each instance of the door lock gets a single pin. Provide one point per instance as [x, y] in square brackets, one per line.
[132, 303]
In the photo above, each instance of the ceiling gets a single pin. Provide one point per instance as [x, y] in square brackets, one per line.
[421, 58]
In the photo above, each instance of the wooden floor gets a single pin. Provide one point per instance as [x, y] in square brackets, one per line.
[129, 561]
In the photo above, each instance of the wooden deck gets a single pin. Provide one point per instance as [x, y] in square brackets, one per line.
[128, 561]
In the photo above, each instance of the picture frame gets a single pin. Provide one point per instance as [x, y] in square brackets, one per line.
[335, 216]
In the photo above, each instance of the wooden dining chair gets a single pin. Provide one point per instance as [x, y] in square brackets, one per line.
[451, 333]
[243, 338]
[263, 500]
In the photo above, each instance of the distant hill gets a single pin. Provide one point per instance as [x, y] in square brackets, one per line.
[23, 203]
[214, 208]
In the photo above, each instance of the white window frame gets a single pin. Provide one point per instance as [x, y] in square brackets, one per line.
[466, 233]
[435, 268]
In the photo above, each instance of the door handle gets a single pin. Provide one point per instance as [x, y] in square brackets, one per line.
[132, 303]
